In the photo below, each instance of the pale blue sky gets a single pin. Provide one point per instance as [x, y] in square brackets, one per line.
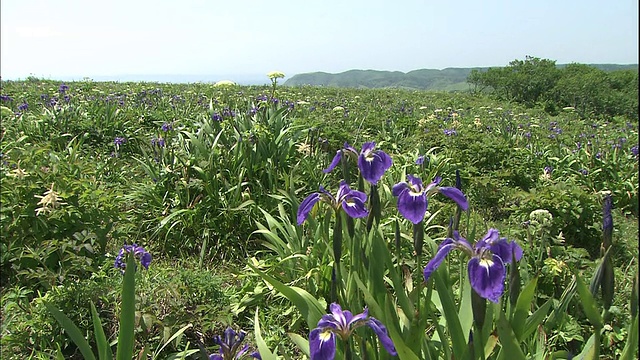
[76, 38]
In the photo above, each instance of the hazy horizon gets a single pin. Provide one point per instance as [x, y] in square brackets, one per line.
[241, 79]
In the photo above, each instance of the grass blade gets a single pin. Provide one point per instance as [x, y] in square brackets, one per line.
[128, 311]
[265, 353]
[73, 331]
[104, 350]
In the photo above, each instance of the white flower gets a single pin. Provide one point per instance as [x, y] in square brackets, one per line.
[224, 83]
[49, 201]
[304, 148]
[18, 172]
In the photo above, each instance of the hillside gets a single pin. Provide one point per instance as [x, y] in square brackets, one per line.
[448, 79]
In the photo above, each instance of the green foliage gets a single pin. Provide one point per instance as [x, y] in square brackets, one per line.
[227, 188]
[590, 90]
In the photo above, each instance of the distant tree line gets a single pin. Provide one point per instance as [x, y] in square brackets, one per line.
[589, 90]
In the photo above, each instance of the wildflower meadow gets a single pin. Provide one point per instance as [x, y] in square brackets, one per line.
[220, 221]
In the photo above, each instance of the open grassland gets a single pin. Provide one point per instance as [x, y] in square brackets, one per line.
[209, 180]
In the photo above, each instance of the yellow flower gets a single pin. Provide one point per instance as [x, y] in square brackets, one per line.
[275, 75]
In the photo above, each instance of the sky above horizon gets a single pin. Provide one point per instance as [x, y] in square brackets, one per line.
[78, 38]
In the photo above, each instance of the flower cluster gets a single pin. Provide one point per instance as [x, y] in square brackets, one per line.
[230, 346]
[351, 201]
[49, 201]
[322, 339]
[372, 163]
[158, 142]
[119, 140]
[224, 83]
[275, 75]
[487, 263]
[167, 127]
[138, 251]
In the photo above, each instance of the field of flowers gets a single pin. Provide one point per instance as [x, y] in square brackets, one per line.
[326, 223]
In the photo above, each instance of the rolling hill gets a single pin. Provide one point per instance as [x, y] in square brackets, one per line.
[449, 79]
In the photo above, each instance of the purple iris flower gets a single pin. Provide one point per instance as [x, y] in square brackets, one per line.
[372, 163]
[166, 127]
[420, 160]
[351, 201]
[322, 339]
[412, 197]
[138, 251]
[119, 140]
[487, 263]
[63, 87]
[230, 346]
[159, 142]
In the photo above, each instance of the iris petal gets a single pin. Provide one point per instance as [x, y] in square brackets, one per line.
[434, 183]
[358, 195]
[443, 250]
[381, 332]
[416, 183]
[413, 207]
[322, 344]
[305, 207]
[339, 315]
[145, 260]
[516, 250]
[350, 148]
[354, 207]
[329, 321]
[399, 187]
[487, 277]
[334, 162]
[373, 164]
[455, 195]
[354, 319]
[368, 147]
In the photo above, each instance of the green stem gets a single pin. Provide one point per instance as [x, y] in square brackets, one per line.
[348, 354]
